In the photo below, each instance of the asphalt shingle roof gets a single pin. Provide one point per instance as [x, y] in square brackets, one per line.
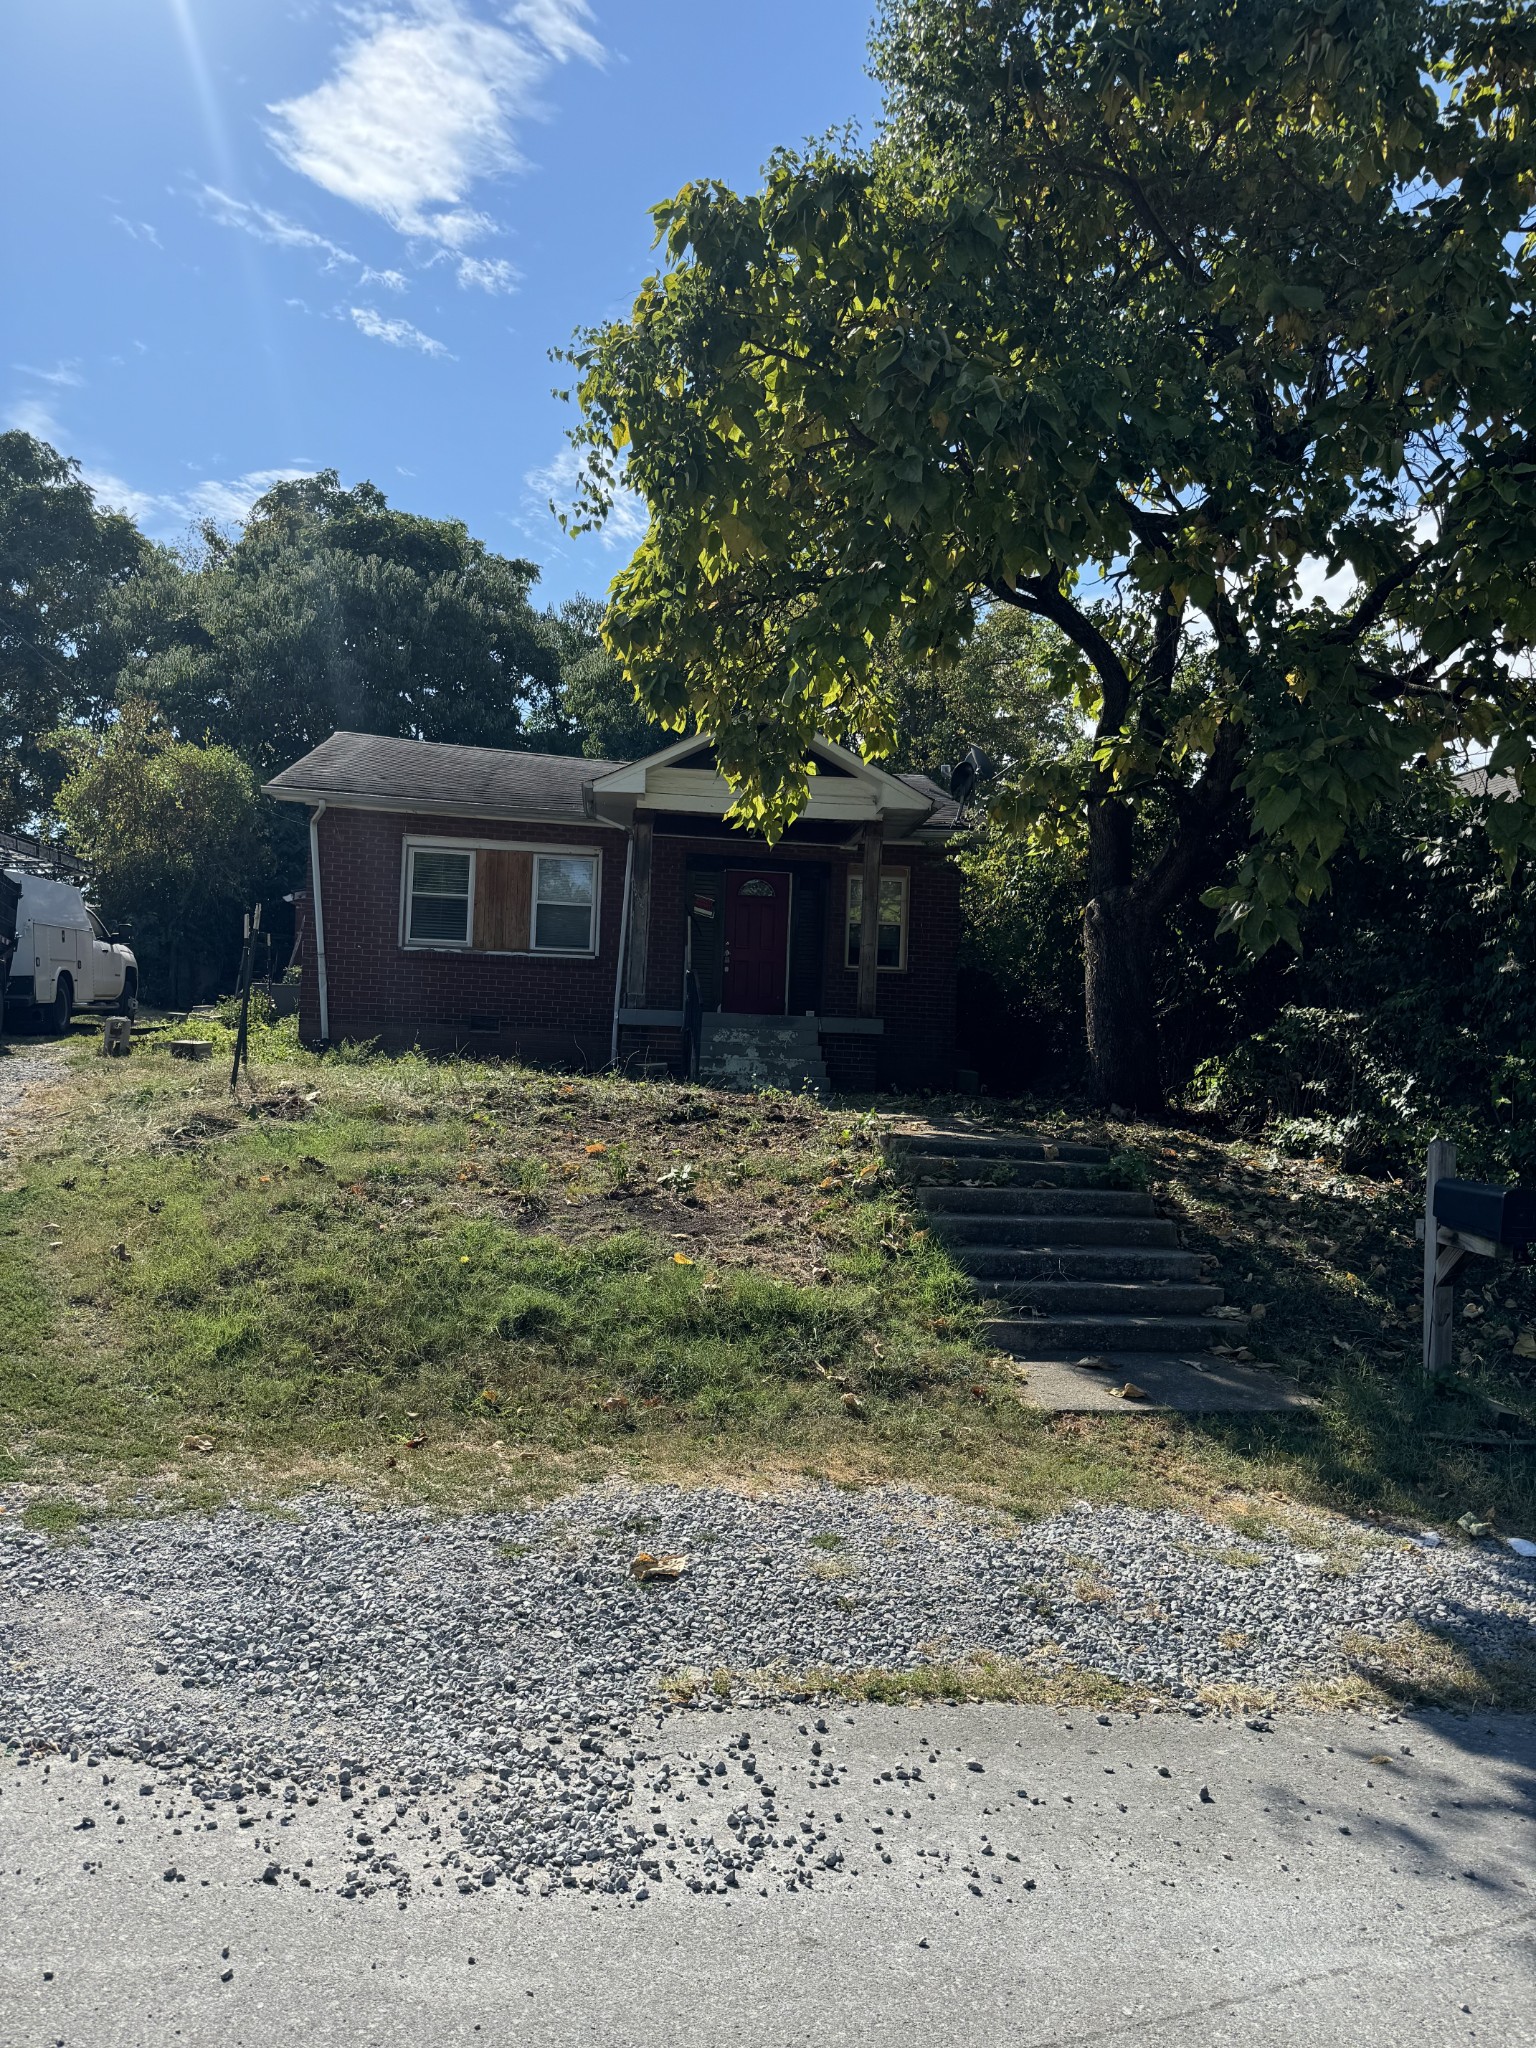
[481, 782]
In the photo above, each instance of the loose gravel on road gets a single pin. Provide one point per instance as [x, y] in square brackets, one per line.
[485, 1691]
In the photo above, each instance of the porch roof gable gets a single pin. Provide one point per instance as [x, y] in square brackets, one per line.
[852, 792]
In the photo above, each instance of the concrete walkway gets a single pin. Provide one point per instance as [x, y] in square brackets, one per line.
[1338, 1881]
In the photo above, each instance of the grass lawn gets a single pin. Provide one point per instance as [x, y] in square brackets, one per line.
[473, 1283]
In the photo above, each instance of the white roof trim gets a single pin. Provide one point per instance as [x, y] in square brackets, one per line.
[891, 795]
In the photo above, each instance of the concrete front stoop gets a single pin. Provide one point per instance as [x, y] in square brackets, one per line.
[746, 1053]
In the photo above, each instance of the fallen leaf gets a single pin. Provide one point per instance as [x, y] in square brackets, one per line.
[414, 1443]
[1525, 1344]
[681, 1259]
[490, 1396]
[979, 1394]
[644, 1566]
[594, 1150]
[854, 1406]
[197, 1443]
[1472, 1525]
[1131, 1392]
[1094, 1364]
[615, 1404]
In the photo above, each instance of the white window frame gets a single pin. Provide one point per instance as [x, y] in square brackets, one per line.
[564, 952]
[433, 842]
[856, 881]
[464, 945]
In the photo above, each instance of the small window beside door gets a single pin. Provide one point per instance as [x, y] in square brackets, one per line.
[891, 953]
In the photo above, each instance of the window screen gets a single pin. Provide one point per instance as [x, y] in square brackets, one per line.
[439, 897]
[892, 947]
[564, 899]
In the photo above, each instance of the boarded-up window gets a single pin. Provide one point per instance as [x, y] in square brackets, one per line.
[503, 895]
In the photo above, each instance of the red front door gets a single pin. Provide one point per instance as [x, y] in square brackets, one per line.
[756, 944]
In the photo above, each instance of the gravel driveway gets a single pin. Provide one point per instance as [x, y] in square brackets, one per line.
[24, 1063]
[485, 1689]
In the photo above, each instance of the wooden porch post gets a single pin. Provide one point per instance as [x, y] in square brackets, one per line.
[869, 919]
[639, 917]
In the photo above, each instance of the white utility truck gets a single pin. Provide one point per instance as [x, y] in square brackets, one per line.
[65, 959]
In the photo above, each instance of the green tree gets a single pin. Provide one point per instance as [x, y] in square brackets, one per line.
[61, 563]
[332, 609]
[595, 711]
[1137, 320]
[173, 835]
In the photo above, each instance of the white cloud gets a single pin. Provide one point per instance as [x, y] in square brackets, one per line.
[423, 105]
[557, 26]
[625, 526]
[34, 416]
[392, 280]
[62, 374]
[136, 230]
[398, 333]
[262, 223]
[489, 273]
[1314, 582]
[165, 513]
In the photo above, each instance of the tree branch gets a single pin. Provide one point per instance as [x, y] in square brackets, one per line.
[1043, 596]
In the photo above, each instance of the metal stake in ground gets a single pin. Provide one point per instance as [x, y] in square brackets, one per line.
[242, 1029]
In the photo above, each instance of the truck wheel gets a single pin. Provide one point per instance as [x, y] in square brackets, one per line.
[127, 1004]
[56, 1013]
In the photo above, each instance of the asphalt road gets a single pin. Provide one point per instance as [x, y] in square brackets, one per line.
[1347, 1883]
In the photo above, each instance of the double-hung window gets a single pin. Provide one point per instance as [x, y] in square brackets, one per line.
[440, 891]
[891, 948]
[564, 899]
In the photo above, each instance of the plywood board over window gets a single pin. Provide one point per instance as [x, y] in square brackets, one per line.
[503, 902]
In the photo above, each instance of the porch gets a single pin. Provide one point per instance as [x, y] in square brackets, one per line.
[826, 960]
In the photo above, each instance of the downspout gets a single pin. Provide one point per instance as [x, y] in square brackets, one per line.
[618, 978]
[321, 984]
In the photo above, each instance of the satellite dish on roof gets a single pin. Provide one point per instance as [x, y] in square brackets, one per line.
[967, 775]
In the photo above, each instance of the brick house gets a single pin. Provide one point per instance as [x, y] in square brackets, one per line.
[580, 912]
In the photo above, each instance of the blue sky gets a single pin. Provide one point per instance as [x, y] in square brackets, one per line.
[247, 238]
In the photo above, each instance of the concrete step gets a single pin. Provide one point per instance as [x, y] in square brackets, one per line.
[1106, 1297]
[1057, 1233]
[951, 1207]
[1025, 1260]
[717, 1025]
[1000, 1173]
[941, 1145]
[1095, 1335]
[744, 1079]
[1101, 1262]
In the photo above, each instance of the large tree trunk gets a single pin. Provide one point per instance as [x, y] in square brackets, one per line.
[1118, 941]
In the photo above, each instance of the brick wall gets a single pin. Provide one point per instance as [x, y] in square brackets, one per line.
[561, 1010]
[557, 1010]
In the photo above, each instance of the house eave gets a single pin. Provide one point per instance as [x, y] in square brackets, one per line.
[368, 800]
